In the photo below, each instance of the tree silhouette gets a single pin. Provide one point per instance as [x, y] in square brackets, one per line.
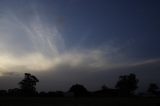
[127, 84]
[104, 87]
[153, 89]
[79, 90]
[28, 84]
[3, 93]
[14, 92]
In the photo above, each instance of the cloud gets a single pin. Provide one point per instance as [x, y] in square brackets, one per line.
[32, 45]
[144, 62]
[39, 62]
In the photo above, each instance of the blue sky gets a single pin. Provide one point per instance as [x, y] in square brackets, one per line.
[79, 37]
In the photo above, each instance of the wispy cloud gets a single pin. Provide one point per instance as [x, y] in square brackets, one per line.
[35, 46]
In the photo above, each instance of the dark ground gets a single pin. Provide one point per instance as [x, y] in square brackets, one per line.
[79, 101]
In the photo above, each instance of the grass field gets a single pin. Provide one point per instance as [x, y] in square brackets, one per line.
[79, 101]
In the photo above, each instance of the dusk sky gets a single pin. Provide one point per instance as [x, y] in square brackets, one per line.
[90, 42]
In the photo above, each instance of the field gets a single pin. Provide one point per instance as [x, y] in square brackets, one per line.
[79, 101]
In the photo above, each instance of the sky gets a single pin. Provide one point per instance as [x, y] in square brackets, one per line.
[90, 42]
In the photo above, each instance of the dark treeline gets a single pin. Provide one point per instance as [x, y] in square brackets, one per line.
[125, 87]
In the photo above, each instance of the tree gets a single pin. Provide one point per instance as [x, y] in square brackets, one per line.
[3, 93]
[14, 92]
[104, 87]
[153, 89]
[28, 84]
[78, 90]
[127, 84]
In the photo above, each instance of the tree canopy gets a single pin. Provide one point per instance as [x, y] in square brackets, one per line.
[127, 84]
[78, 90]
[28, 84]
